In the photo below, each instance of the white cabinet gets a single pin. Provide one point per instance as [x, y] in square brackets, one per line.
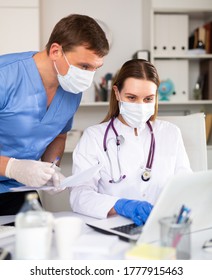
[167, 38]
[171, 25]
[19, 26]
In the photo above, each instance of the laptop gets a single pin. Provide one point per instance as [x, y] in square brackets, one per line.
[193, 190]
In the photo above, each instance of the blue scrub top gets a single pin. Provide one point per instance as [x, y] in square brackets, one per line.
[27, 126]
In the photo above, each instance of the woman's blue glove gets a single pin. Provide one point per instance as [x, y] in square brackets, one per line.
[136, 210]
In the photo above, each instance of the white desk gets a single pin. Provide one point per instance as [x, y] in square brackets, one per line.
[197, 240]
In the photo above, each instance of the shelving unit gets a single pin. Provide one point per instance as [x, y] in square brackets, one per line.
[172, 57]
[180, 107]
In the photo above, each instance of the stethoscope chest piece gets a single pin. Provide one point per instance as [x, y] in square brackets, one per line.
[146, 175]
[119, 139]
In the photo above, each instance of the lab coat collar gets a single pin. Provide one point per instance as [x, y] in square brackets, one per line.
[120, 126]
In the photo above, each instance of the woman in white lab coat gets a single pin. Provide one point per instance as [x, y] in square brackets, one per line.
[138, 152]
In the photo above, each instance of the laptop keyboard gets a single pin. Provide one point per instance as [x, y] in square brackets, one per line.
[130, 229]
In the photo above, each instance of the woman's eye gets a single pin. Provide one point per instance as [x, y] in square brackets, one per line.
[148, 99]
[131, 97]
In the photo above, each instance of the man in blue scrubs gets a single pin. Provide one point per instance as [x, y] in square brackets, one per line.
[39, 95]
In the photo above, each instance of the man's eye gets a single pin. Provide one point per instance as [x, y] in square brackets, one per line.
[85, 67]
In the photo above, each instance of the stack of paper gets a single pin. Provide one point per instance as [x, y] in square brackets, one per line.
[71, 181]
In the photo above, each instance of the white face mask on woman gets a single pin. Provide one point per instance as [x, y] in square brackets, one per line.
[136, 114]
[76, 80]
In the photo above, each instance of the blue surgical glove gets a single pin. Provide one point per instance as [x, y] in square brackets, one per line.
[136, 210]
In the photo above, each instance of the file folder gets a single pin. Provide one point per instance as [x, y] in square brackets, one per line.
[170, 34]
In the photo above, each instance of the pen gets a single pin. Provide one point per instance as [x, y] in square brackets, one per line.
[183, 215]
[180, 214]
[55, 161]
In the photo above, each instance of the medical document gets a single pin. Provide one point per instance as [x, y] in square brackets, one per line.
[73, 180]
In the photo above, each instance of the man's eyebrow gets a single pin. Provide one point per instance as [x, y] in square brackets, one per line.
[89, 65]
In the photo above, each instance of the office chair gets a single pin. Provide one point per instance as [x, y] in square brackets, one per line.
[194, 136]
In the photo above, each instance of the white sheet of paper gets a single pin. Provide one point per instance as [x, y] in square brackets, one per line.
[73, 180]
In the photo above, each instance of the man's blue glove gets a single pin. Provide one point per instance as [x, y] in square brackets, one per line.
[136, 210]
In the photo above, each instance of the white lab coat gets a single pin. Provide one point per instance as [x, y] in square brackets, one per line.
[96, 197]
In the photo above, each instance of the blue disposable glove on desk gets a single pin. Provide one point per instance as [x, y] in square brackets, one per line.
[136, 210]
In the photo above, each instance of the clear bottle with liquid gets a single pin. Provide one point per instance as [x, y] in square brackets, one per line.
[33, 230]
[197, 92]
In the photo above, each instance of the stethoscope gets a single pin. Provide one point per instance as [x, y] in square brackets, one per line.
[119, 140]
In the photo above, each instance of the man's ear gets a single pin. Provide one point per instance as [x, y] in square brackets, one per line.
[55, 51]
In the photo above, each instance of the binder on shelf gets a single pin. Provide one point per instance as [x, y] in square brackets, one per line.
[202, 38]
[206, 74]
[208, 127]
[199, 38]
[161, 40]
[170, 34]
[208, 37]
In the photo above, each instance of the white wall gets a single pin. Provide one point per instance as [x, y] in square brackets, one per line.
[123, 17]
[19, 25]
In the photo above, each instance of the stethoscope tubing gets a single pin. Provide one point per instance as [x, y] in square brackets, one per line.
[151, 149]
[111, 124]
[147, 172]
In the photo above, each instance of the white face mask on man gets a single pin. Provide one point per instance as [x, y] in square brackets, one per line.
[76, 80]
[136, 114]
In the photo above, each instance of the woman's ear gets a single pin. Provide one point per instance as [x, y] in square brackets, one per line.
[116, 91]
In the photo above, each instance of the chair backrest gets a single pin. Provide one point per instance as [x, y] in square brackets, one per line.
[194, 136]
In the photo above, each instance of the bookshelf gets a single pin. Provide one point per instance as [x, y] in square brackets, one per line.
[172, 23]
